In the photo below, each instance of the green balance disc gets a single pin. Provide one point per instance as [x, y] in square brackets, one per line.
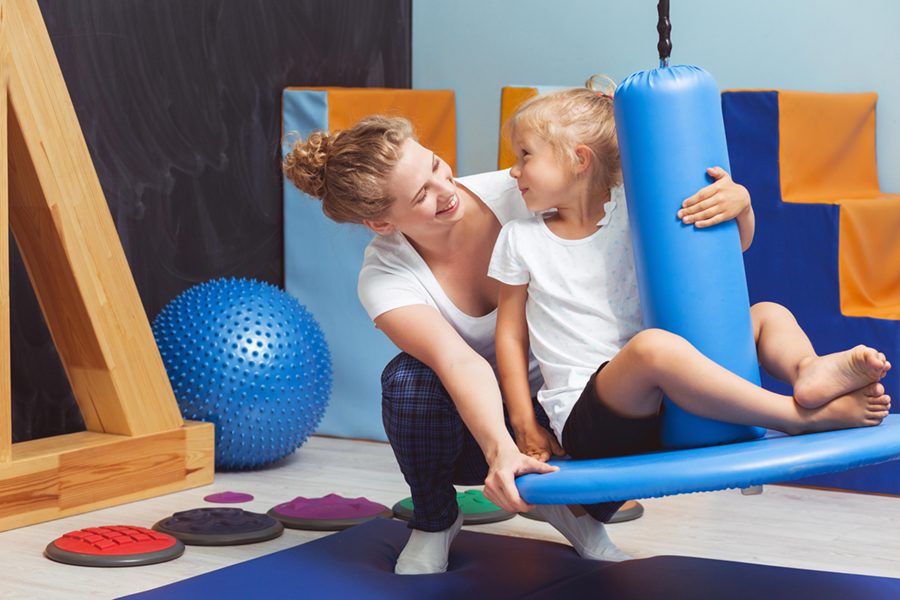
[476, 509]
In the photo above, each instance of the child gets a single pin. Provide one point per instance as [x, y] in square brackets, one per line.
[569, 292]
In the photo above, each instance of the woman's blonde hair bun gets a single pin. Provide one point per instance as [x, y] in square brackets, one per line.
[348, 169]
[305, 164]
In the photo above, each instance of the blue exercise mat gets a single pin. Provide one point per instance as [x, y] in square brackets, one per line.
[772, 459]
[684, 578]
[358, 563]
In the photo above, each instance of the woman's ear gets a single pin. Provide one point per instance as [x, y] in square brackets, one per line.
[379, 227]
[584, 158]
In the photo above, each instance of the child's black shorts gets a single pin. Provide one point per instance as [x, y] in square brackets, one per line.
[594, 430]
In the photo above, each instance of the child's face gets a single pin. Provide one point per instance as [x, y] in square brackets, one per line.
[544, 178]
[425, 197]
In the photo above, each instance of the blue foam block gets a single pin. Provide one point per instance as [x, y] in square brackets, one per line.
[321, 264]
[807, 283]
[772, 459]
[358, 562]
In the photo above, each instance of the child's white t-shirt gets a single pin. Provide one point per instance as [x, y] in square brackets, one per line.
[582, 305]
[393, 274]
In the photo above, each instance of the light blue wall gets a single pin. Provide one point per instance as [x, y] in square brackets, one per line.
[476, 46]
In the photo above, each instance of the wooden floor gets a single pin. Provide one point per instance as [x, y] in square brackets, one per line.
[795, 527]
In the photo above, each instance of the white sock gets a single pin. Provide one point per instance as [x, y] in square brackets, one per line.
[427, 551]
[586, 534]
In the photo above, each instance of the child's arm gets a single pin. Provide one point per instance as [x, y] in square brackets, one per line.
[718, 202]
[512, 365]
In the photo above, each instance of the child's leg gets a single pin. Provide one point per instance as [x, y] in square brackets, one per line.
[656, 363]
[781, 344]
[787, 354]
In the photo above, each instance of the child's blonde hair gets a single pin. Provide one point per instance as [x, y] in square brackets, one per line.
[348, 169]
[566, 118]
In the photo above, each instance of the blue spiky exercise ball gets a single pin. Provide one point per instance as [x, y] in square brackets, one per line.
[251, 359]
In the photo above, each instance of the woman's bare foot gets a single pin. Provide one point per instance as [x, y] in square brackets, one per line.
[864, 407]
[823, 378]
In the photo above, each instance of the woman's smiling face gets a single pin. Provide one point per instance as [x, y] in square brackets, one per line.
[425, 197]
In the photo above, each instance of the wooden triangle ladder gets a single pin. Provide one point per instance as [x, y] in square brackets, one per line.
[136, 444]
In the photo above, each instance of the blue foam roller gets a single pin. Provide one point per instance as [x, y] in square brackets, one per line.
[691, 280]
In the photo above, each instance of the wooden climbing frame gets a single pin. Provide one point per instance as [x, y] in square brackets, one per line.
[136, 444]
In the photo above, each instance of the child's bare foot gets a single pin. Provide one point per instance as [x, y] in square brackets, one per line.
[864, 407]
[824, 378]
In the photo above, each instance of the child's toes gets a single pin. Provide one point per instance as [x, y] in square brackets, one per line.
[882, 402]
[874, 359]
[873, 391]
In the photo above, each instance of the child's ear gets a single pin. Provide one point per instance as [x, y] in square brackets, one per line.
[584, 158]
[379, 227]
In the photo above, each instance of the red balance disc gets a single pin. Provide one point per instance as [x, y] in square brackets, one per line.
[114, 546]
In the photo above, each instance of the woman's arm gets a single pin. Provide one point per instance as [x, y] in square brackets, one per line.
[512, 364]
[422, 332]
[718, 202]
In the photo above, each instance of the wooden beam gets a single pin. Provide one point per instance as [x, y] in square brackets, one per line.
[79, 472]
[137, 444]
[71, 249]
[5, 374]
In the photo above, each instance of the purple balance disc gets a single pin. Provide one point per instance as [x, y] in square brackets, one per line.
[220, 527]
[228, 497]
[328, 513]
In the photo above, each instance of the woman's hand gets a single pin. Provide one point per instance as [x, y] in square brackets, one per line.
[536, 442]
[716, 203]
[500, 484]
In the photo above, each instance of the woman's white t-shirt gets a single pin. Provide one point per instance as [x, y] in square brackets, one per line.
[393, 274]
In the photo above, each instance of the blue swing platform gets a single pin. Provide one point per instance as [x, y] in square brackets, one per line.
[771, 459]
